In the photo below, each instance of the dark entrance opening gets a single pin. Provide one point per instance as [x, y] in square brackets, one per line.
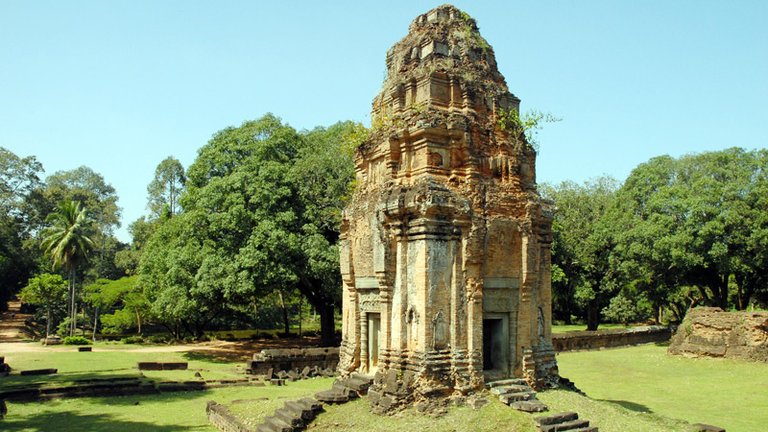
[494, 357]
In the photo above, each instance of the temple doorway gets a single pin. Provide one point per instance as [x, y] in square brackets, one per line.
[495, 344]
[374, 329]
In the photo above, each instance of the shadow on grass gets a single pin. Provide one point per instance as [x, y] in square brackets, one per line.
[130, 400]
[213, 356]
[65, 378]
[632, 406]
[75, 421]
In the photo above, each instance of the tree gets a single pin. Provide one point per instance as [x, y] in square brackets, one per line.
[141, 230]
[581, 248]
[99, 199]
[120, 302]
[688, 227]
[19, 179]
[260, 214]
[166, 188]
[49, 291]
[68, 244]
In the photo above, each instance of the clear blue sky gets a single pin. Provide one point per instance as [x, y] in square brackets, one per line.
[120, 85]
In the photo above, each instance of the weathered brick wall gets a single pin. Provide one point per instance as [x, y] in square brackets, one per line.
[223, 420]
[712, 332]
[588, 340]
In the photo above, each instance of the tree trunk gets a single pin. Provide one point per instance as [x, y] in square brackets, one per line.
[48, 322]
[72, 310]
[95, 322]
[138, 321]
[593, 315]
[286, 322]
[327, 326]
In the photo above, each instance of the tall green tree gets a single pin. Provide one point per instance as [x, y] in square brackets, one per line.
[166, 187]
[582, 282]
[19, 179]
[66, 240]
[99, 199]
[687, 227]
[260, 213]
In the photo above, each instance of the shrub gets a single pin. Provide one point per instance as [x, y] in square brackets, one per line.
[132, 340]
[157, 339]
[75, 340]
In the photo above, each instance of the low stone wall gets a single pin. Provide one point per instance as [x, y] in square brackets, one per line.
[116, 387]
[610, 338]
[712, 332]
[293, 359]
[223, 420]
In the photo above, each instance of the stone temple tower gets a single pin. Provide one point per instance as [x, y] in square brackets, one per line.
[445, 245]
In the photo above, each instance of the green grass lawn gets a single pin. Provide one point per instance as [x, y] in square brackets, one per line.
[177, 411]
[630, 390]
[565, 328]
[644, 379]
[121, 362]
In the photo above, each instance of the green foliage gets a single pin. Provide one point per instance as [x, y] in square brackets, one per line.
[49, 292]
[166, 187]
[19, 179]
[75, 340]
[582, 283]
[45, 290]
[132, 340]
[67, 242]
[623, 310]
[694, 230]
[122, 303]
[525, 126]
[66, 239]
[261, 212]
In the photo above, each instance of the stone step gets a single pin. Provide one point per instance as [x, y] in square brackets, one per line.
[504, 382]
[566, 426]
[264, 428]
[332, 396]
[529, 406]
[512, 388]
[300, 409]
[293, 418]
[556, 418]
[311, 404]
[278, 425]
[341, 388]
[517, 397]
[586, 429]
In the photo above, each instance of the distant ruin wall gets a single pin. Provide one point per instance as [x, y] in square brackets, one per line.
[590, 340]
[712, 332]
[293, 359]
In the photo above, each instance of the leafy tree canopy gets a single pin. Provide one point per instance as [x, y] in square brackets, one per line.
[260, 213]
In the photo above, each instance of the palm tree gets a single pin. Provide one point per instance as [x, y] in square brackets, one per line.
[67, 242]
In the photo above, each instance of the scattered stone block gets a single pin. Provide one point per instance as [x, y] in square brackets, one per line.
[84, 349]
[556, 418]
[38, 372]
[703, 427]
[163, 365]
[529, 406]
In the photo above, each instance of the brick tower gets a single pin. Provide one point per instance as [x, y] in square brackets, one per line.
[445, 245]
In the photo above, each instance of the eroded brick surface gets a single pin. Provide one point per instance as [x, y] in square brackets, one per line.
[446, 234]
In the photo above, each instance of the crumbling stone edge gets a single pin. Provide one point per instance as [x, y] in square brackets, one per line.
[222, 419]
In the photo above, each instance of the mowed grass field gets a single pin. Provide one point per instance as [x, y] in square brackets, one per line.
[728, 393]
[638, 389]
